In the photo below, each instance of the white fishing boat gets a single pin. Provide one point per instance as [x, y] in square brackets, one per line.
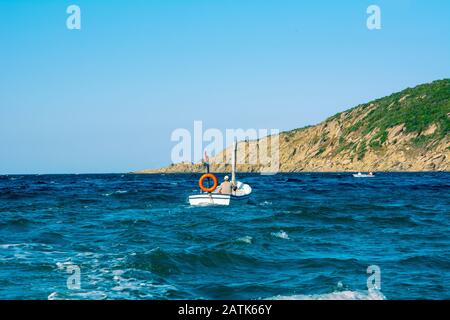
[363, 175]
[241, 195]
[211, 195]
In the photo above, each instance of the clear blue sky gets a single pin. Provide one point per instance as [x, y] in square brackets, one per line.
[107, 97]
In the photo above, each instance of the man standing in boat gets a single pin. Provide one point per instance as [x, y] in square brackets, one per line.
[206, 161]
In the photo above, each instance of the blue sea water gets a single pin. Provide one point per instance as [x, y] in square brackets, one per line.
[302, 236]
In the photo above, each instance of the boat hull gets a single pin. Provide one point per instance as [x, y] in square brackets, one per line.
[240, 195]
[363, 175]
[206, 199]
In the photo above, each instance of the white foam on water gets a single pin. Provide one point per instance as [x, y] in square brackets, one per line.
[337, 295]
[20, 246]
[94, 295]
[11, 245]
[123, 283]
[53, 296]
[117, 274]
[22, 256]
[88, 254]
[246, 239]
[64, 265]
[281, 234]
[115, 192]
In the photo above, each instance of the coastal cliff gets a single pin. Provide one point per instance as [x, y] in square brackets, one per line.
[405, 131]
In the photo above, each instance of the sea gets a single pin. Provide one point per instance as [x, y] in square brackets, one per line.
[301, 236]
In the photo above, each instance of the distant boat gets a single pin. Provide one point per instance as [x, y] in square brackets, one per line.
[363, 175]
[240, 192]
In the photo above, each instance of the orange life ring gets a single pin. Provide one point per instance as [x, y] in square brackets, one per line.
[205, 176]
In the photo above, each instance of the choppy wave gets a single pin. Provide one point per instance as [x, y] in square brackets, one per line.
[280, 234]
[89, 295]
[337, 295]
[107, 194]
[246, 239]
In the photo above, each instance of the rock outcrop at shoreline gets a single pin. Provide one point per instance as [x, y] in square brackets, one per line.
[406, 131]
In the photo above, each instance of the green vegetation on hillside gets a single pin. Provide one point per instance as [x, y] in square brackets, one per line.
[416, 108]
